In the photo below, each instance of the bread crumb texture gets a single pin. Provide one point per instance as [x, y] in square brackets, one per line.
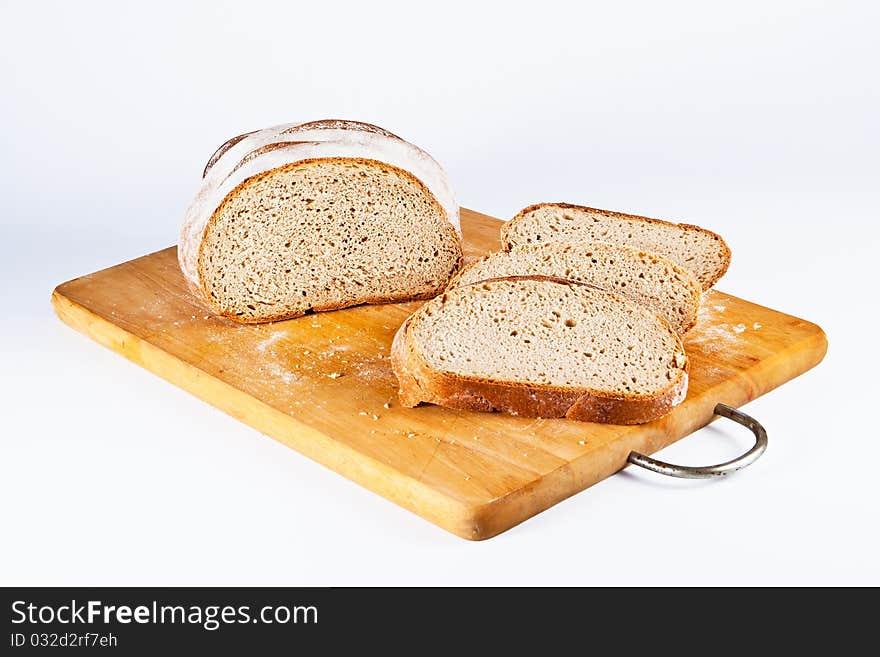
[325, 234]
[645, 278]
[701, 251]
[542, 333]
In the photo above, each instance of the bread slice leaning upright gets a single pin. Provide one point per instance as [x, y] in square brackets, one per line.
[701, 251]
[318, 216]
[646, 278]
[540, 347]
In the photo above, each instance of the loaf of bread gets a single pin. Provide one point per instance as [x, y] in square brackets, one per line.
[540, 347]
[318, 216]
[646, 278]
[701, 251]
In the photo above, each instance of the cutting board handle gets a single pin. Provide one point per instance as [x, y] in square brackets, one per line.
[709, 471]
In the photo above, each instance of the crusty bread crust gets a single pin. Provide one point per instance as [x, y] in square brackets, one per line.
[205, 294]
[340, 124]
[225, 146]
[420, 383]
[322, 124]
[505, 229]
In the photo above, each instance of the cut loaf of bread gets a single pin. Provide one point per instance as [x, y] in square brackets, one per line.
[701, 251]
[647, 278]
[540, 347]
[318, 216]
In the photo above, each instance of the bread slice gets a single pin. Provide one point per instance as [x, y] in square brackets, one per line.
[701, 251]
[646, 278]
[540, 347]
[318, 216]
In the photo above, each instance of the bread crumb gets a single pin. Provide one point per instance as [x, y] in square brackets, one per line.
[386, 405]
[467, 477]
[362, 413]
[582, 442]
[476, 437]
[756, 326]
[336, 375]
[410, 435]
[739, 328]
[720, 309]
[375, 417]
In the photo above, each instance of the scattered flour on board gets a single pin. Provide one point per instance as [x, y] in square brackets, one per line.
[718, 338]
[273, 372]
[713, 335]
[334, 350]
[713, 372]
[719, 335]
[274, 369]
[374, 370]
[270, 341]
[215, 337]
[278, 372]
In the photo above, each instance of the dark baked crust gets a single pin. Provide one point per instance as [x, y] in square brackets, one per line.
[505, 228]
[399, 298]
[321, 124]
[262, 150]
[420, 383]
[229, 143]
[339, 124]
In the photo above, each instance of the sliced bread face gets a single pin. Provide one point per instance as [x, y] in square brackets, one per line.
[317, 216]
[324, 234]
[646, 278]
[701, 251]
[540, 347]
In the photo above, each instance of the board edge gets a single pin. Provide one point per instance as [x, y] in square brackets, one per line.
[446, 512]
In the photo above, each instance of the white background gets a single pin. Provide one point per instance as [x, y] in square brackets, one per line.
[758, 120]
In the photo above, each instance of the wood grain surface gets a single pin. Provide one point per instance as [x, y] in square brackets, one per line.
[322, 384]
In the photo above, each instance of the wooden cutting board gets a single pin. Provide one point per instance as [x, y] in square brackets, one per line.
[322, 384]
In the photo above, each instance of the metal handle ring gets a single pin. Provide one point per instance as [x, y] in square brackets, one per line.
[709, 471]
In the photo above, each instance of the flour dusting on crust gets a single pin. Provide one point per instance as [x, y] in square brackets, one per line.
[315, 139]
